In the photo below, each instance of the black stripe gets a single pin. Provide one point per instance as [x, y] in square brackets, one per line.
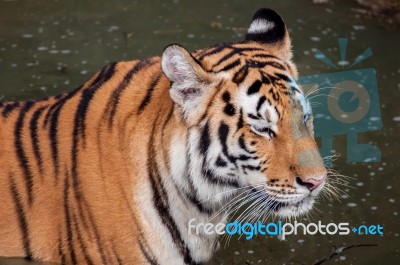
[99, 80]
[295, 89]
[223, 133]
[60, 250]
[243, 146]
[241, 75]
[68, 223]
[168, 119]
[250, 167]
[81, 203]
[263, 55]
[220, 162]
[160, 201]
[115, 98]
[275, 95]
[206, 50]
[226, 57]
[166, 122]
[50, 111]
[250, 49]
[192, 194]
[59, 103]
[52, 117]
[265, 78]
[277, 80]
[211, 101]
[254, 88]
[8, 108]
[149, 256]
[153, 167]
[35, 139]
[149, 92]
[160, 195]
[257, 64]
[269, 102]
[275, 65]
[231, 65]
[276, 110]
[81, 242]
[240, 122]
[83, 106]
[53, 137]
[218, 180]
[22, 158]
[57, 97]
[207, 172]
[215, 50]
[194, 200]
[268, 130]
[254, 117]
[244, 157]
[283, 77]
[100, 77]
[116, 254]
[260, 103]
[205, 140]
[254, 64]
[22, 221]
[99, 242]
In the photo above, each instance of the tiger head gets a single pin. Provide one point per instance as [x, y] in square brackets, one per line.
[250, 125]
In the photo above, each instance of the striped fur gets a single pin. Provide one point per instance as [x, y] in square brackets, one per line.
[112, 172]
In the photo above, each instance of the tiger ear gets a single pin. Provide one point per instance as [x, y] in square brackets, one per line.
[268, 27]
[189, 81]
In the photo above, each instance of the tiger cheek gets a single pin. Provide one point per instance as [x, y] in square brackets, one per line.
[278, 169]
[265, 154]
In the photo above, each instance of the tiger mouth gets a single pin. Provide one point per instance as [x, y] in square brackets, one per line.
[276, 206]
[294, 209]
[289, 208]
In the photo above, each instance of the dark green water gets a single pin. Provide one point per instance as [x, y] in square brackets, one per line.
[49, 47]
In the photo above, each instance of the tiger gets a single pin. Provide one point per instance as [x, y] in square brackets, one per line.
[112, 172]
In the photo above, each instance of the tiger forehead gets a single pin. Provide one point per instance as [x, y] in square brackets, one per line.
[226, 57]
[252, 69]
[258, 99]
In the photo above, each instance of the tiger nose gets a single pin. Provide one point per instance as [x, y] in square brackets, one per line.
[310, 183]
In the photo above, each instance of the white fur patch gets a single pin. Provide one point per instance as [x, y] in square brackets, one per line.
[175, 65]
[305, 104]
[249, 105]
[260, 26]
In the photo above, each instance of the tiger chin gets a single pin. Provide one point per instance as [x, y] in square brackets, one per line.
[112, 172]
